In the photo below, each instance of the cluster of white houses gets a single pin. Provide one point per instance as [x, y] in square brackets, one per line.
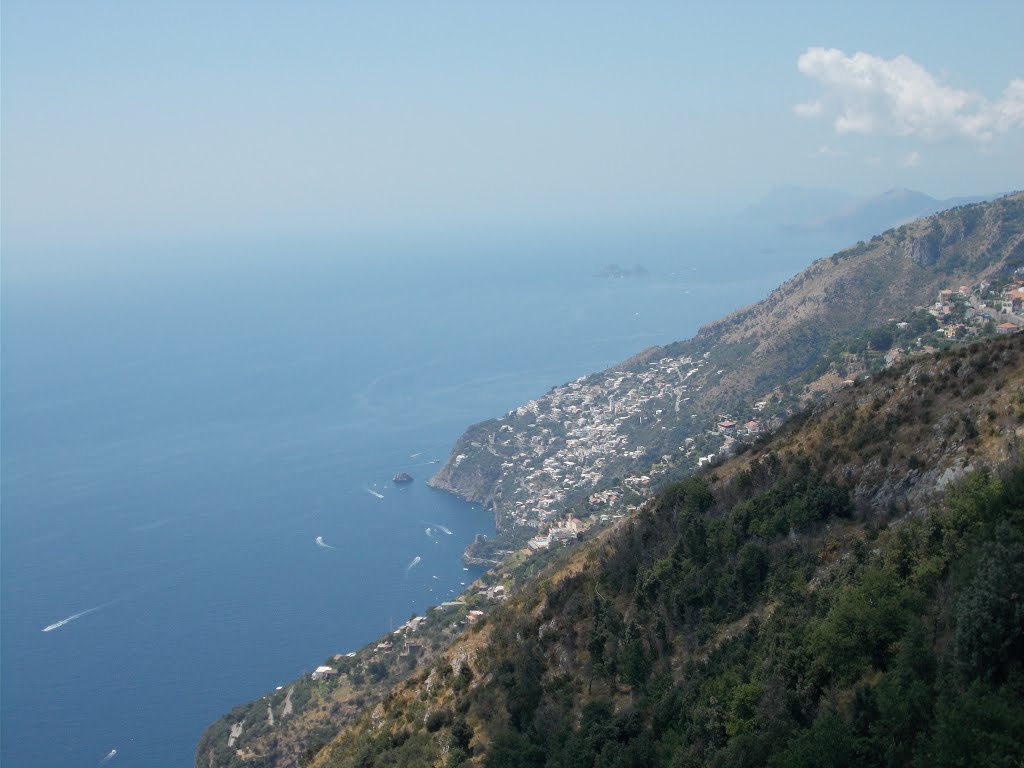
[566, 441]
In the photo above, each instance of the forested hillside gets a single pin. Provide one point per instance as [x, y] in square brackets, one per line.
[848, 591]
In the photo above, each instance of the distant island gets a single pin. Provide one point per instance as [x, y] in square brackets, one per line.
[402, 478]
[615, 271]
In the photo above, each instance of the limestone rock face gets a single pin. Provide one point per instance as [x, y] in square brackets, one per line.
[922, 251]
[473, 481]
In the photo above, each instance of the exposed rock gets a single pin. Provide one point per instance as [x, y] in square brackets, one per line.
[922, 251]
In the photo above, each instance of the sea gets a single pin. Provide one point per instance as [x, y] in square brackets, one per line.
[198, 448]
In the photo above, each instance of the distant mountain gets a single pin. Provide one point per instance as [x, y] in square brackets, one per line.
[788, 206]
[876, 214]
[798, 210]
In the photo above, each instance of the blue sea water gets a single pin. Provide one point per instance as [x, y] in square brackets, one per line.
[175, 441]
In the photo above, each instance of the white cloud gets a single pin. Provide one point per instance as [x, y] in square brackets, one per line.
[1011, 107]
[911, 160]
[869, 95]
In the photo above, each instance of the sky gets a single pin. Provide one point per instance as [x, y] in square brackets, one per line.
[145, 124]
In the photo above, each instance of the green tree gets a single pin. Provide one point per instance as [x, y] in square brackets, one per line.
[990, 613]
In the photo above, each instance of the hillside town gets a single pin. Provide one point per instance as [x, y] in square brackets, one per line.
[962, 314]
[571, 457]
[564, 449]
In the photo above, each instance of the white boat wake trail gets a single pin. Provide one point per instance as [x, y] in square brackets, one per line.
[321, 543]
[372, 492]
[110, 756]
[152, 526]
[442, 529]
[415, 561]
[72, 617]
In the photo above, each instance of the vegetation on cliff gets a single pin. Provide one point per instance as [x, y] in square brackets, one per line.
[848, 591]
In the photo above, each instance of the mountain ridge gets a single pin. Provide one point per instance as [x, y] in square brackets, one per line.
[795, 210]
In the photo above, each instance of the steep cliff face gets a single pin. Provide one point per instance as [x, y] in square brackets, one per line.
[476, 480]
[921, 251]
[654, 403]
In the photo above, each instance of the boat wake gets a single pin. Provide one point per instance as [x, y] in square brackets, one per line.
[372, 492]
[72, 617]
[152, 526]
[321, 543]
[442, 529]
[429, 532]
[415, 561]
[110, 756]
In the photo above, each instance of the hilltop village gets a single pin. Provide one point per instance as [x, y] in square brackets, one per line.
[969, 310]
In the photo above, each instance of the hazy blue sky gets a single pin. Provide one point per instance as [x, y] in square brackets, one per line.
[154, 122]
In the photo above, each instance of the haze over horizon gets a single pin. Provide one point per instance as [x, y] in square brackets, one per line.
[150, 125]
[261, 260]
